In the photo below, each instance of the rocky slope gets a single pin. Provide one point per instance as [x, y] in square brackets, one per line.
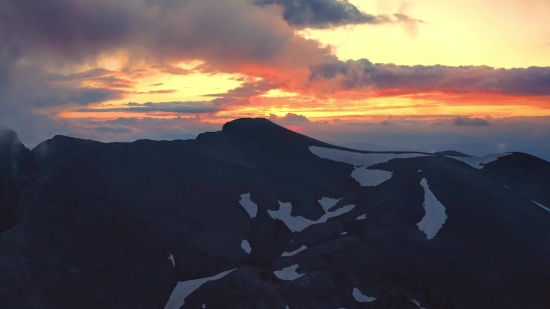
[257, 216]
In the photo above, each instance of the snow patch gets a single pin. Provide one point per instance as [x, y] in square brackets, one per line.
[344, 233]
[435, 215]
[417, 303]
[505, 186]
[479, 162]
[419, 171]
[297, 224]
[302, 248]
[327, 202]
[288, 273]
[171, 258]
[359, 297]
[541, 206]
[361, 161]
[246, 246]
[185, 288]
[249, 205]
[361, 217]
[370, 178]
[204, 305]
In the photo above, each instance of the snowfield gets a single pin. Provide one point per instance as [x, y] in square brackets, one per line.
[435, 215]
[478, 162]
[288, 273]
[246, 246]
[541, 206]
[370, 178]
[297, 224]
[361, 162]
[249, 205]
[359, 159]
[417, 303]
[302, 248]
[359, 297]
[185, 288]
[327, 202]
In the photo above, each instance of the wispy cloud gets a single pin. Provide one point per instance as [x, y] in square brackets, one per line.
[149, 107]
[158, 91]
[242, 94]
[322, 14]
[470, 122]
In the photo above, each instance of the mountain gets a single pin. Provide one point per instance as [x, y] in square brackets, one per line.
[13, 155]
[257, 216]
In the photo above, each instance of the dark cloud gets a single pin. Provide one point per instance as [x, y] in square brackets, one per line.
[32, 87]
[470, 122]
[355, 74]
[73, 28]
[329, 14]
[65, 31]
[242, 94]
[80, 96]
[149, 107]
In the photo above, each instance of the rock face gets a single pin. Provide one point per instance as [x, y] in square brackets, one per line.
[13, 157]
[134, 225]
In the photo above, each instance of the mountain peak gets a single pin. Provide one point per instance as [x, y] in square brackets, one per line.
[247, 125]
[8, 137]
[264, 130]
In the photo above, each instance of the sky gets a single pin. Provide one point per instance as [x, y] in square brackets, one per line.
[428, 75]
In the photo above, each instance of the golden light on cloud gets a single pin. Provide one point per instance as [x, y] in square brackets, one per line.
[450, 34]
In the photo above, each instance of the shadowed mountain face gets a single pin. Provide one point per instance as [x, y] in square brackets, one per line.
[257, 216]
[13, 157]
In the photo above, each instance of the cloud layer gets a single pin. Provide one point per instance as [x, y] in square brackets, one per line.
[391, 79]
[51, 50]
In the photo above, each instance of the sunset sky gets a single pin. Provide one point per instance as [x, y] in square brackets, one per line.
[418, 74]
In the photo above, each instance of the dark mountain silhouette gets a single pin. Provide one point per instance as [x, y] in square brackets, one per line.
[257, 216]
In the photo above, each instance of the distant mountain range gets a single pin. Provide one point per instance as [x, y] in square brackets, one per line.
[257, 216]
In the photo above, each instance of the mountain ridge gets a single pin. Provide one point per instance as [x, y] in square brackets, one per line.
[118, 225]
